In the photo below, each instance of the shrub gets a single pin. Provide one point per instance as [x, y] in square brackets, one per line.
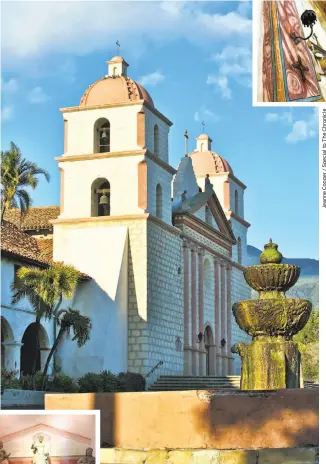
[132, 382]
[26, 381]
[90, 383]
[9, 379]
[62, 383]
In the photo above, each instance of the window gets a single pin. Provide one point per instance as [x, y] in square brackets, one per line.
[236, 202]
[239, 251]
[159, 201]
[156, 140]
[114, 71]
[101, 198]
[201, 147]
[102, 136]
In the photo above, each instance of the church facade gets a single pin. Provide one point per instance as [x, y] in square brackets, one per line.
[161, 249]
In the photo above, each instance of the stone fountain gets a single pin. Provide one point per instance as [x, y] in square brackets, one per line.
[272, 359]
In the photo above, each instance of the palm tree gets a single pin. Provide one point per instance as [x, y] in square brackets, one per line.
[17, 174]
[45, 289]
[69, 319]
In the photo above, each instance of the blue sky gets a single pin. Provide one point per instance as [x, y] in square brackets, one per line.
[195, 60]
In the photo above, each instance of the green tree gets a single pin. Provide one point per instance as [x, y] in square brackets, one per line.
[69, 320]
[17, 174]
[45, 289]
[308, 340]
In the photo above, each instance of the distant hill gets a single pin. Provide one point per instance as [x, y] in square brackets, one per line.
[307, 286]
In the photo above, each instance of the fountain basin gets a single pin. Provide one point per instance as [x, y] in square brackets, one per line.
[269, 277]
[272, 317]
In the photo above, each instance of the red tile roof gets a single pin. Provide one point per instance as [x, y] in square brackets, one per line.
[35, 219]
[22, 246]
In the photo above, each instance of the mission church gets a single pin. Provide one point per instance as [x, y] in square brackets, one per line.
[160, 250]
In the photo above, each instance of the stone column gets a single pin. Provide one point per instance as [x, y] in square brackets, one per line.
[229, 318]
[12, 355]
[202, 351]
[217, 312]
[223, 320]
[194, 310]
[187, 347]
[44, 353]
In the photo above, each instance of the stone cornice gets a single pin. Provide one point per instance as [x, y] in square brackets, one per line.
[96, 156]
[227, 174]
[75, 109]
[200, 226]
[195, 245]
[233, 215]
[130, 217]
[170, 228]
[117, 154]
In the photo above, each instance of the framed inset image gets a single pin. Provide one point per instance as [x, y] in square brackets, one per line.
[49, 437]
[289, 52]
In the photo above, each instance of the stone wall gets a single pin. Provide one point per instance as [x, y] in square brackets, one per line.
[202, 419]
[302, 455]
[165, 300]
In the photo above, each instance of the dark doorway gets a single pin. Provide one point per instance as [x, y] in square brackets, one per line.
[30, 350]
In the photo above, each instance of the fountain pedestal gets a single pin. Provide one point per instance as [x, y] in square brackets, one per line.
[272, 359]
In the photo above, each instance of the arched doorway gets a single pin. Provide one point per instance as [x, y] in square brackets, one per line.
[6, 335]
[32, 349]
[209, 346]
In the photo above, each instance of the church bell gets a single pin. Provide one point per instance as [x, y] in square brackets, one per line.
[104, 200]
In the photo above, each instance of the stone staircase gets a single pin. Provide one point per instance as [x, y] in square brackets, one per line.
[182, 382]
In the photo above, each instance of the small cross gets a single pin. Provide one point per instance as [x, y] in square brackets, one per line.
[118, 47]
[203, 123]
[301, 68]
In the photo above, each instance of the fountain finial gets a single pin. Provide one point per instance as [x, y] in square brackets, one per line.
[271, 255]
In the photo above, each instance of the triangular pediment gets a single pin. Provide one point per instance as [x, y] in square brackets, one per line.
[44, 428]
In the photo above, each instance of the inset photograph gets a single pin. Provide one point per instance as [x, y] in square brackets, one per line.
[40, 437]
[289, 52]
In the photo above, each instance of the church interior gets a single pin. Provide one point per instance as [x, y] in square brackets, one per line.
[47, 438]
[292, 51]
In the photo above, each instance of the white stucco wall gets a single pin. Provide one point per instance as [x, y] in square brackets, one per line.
[163, 130]
[123, 129]
[101, 251]
[122, 174]
[18, 317]
[158, 175]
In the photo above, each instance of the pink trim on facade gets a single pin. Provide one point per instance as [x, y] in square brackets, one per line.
[193, 309]
[229, 308]
[217, 306]
[223, 318]
[201, 307]
[186, 343]
[49, 428]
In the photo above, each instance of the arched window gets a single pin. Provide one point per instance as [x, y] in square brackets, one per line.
[156, 140]
[100, 197]
[159, 201]
[239, 251]
[208, 215]
[236, 202]
[102, 133]
[114, 71]
[201, 147]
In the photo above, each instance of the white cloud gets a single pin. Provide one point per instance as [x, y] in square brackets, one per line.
[234, 64]
[37, 96]
[9, 87]
[301, 129]
[82, 27]
[285, 117]
[205, 114]
[304, 128]
[152, 79]
[7, 113]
